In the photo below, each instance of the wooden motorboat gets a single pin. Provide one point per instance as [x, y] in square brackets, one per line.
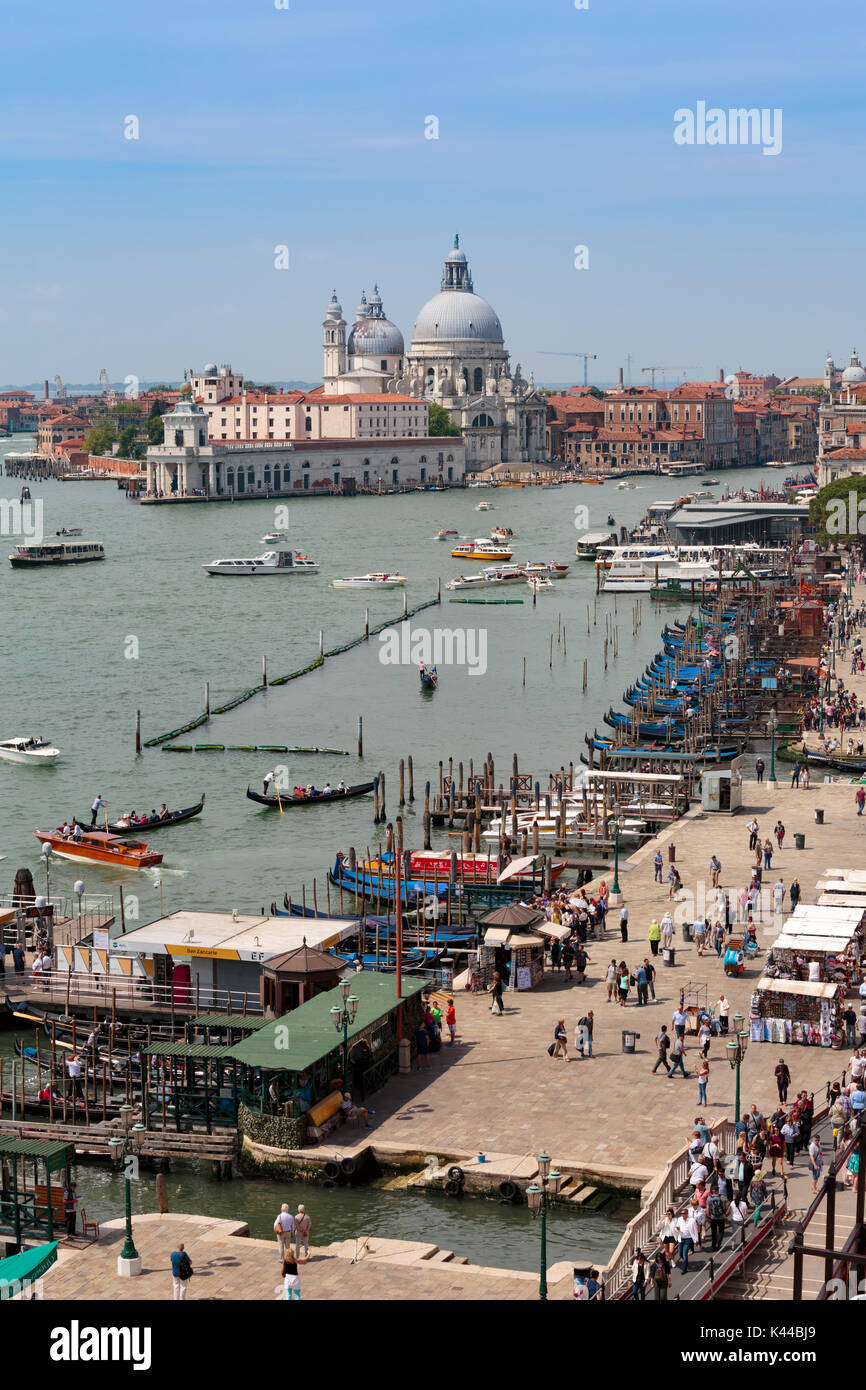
[100, 847]
[289, 799]
[128, 827]
[28, 750]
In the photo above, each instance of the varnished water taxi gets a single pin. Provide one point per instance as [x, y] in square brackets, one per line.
[99, 847]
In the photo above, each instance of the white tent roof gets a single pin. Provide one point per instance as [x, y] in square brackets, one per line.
[811, 987]
[219, 935]
[832, 945]
[815, 926]
[857, 900]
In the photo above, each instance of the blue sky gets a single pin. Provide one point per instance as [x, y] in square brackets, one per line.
[305, 127]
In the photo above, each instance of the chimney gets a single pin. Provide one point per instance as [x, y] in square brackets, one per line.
[45, 389]
[620, 383]
[722, 375]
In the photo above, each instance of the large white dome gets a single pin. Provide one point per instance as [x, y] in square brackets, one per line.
[457, 314]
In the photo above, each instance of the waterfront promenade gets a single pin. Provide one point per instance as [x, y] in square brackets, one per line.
[611, 1119]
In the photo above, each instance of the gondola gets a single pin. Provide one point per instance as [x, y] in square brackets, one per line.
[429, 677]
[152, 823]
[362, 789]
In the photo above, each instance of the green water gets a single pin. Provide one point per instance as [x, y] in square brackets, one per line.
[65, 633]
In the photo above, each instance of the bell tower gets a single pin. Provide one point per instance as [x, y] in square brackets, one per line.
[334, 341]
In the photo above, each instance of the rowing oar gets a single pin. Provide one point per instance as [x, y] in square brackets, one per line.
[279, 801]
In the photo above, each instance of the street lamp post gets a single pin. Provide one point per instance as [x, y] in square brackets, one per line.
[736, 1052]
[617, 812]
[772, 726]
[342, 1017]
[538, 1198]
[125, 1148]
[46, 855]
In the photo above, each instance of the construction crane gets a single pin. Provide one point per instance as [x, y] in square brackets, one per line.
[587, 357]
[59, 389]
[108, 389]
[653, 371]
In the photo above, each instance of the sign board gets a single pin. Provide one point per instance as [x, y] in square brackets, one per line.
[769, 683]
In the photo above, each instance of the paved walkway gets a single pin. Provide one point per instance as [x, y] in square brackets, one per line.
[497, 1089]
[229, 1266]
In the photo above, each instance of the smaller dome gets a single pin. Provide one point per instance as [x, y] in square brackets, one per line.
[334, 308]
[210, 369]
[375, 337]
[854, 371]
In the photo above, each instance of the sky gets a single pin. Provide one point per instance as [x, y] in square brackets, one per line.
[260, 127]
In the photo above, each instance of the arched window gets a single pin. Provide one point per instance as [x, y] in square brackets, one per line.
[423, 458]
[395, 462]
[478, 379]
[483, 421]
[178, 438]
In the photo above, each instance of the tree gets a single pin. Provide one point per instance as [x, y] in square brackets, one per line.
[441, 422]
[155, 430]
[126, 441]
[837, 516]
[100, 439]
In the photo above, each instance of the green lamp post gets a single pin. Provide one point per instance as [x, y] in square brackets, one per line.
[736, 1052]
[772, 726]
[617, 811]
[342, 1017]
[129, 1260]
[538, 1198]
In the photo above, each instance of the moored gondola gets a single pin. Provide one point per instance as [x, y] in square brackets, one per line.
[362, 789]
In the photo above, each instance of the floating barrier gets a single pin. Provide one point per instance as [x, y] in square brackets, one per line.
[163, 739]
[485, 600]
[249, 748]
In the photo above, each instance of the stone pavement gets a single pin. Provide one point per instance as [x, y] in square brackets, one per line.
[228, 1264]
[610, 1118]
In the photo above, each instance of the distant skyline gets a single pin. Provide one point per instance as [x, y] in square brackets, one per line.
[261, 127]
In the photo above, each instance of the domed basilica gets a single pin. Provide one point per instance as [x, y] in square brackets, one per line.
[457, 357]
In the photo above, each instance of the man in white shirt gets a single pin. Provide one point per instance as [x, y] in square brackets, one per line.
[95, 808]
[778, 896]
[667, 930]
[284, 1230]
[699, 1173]
[710, 1152]
[73, 1071]
[687, 1234]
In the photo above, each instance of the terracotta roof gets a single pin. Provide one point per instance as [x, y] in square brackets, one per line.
[364, 398]
[846, 453]
[258, 398]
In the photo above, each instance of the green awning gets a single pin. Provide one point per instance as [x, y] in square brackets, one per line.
[249, 1021]
[300, 1039]
[18, 1271]
[54, 1155]
[192, 1050]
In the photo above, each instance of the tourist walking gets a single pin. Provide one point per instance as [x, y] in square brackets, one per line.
[752, 828]
[768, 853]
[723, 1009]
[642, 985]
[816, 1161]
[780, 833]
[667, 931]
[623, 981]
[660, 1275]
[759, 769]
[559, 1046]
[678, 1049]
[657, 865]
[181, 1273]
[783, 1079]
[794, 893]
[702, 1072]
[638, 1276]
[623, 922]
[705, 1035]
[663, 1043]
[795, 775]
[611, 980]
[496, 994]
[585, 1026]
[451, 1020]
[669, 1235]
[302, 1232]
[284, 1230]
[719, 938]
[650, 976]
[687, 1235]
[679, 1019]
[715, 870]
[860, 799]
[654, 933]
[18, 960]
[717, 1212]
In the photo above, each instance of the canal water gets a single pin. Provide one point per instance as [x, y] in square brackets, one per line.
[83, 648]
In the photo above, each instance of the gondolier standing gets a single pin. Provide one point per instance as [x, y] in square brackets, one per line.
[97, 806]
[270, 777]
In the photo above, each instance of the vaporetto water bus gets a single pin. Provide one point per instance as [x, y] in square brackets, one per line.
[272, 562]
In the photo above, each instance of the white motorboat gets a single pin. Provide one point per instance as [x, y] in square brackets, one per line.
[485, 507]
[544, 569]
[272, 562]
[490, 575]
[370, 581]
[28, 750]
[502, 533]
[275, 538]
[540, 584]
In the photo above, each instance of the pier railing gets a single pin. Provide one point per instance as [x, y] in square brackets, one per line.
[107, 991]
[644, 1227]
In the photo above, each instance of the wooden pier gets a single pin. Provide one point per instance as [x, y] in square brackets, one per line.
[95, 1140]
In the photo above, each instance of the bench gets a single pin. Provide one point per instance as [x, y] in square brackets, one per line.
[324, 1116]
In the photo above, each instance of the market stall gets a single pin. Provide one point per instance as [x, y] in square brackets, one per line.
[797, 1011]
[822, 958]
[523, 959]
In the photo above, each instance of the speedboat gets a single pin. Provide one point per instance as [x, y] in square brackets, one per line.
[99, 847]
[272, 562]
[481, 549]
[275, 538]
[544, 569]
[70, 531]
[485, 507]
[502, 533]
[28, 750]
[490, 575]
[540, 584]
[370, 581]
[444, 534]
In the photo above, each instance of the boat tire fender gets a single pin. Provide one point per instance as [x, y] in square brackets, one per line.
[456, 1174]
[331, 1170]
[454, 1189]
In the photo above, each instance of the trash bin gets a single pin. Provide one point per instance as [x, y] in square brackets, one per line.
[819, 815]
[669, 954]
[672, 854]
[799, 841]
[687, 931]
[629, 1039]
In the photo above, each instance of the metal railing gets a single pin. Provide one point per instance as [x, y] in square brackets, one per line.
[75, 987]
[643, 1228]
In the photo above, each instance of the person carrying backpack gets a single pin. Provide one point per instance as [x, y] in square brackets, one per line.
[660, 1275]
[717, 1213]
[181, 1273]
